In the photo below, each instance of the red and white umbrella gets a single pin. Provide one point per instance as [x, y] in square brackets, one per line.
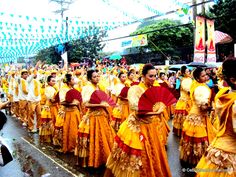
[222, 38]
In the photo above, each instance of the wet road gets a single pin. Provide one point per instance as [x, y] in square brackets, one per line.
[40, 160]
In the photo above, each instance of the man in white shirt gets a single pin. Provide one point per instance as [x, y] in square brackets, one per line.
[23, 97]
[34, 106]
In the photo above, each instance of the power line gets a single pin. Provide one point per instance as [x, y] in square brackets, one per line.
[167, 13]
[177, 26]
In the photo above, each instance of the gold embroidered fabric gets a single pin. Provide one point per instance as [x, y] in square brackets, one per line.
[224, 160]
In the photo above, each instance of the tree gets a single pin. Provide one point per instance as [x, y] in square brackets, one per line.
[224, 13]
[170, 37]
[88, 46]
[49, 55]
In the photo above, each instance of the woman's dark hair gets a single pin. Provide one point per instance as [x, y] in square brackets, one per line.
[89, 74]
[68, 78]
[3, 119]
[161, 73]
[197, 73]
[183, 69]
[49, 78]
[130, 72]
[228, 70]
[146, 68]
[120, 74]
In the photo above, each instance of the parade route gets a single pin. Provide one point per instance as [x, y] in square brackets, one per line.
[31, 158]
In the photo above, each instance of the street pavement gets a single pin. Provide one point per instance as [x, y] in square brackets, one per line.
[31, 158]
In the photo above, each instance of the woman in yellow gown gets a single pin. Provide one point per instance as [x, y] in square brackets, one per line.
[197, 129]
[68, 118]
[130, 78]
[95, 136]
[121, 111]
[49, 111]
[72, 119]
[220, 158]
[138, 149]
[184, 103]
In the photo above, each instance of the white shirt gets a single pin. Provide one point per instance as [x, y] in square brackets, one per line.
[31, 85]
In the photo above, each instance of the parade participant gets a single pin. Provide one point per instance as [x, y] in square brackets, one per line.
[184, 103]
[23, 97]
[197, 131]
[15, 93]
[71, 110]
[5, 84]
[49, 112]
[138, 149]
[78, 82]
[34, 98]
[121, 111]
[130, 78]
[118, 86]
[95, 136]
[10, 91]
[220, 158]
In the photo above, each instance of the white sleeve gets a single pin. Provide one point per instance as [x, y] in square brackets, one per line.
[202, 95]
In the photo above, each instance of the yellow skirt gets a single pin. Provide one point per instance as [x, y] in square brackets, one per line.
[181, 111]
[196, 136]
[70, 128]
[95, 137]
[138, 151]
[119, 114]
[205, 168]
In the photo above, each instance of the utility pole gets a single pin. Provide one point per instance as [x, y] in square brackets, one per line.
[64, 6]
[203, 7]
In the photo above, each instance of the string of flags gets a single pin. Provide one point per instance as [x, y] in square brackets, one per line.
[24, 35]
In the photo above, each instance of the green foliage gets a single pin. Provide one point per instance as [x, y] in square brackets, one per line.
[224, 13]
[49, 55]
[87, 46]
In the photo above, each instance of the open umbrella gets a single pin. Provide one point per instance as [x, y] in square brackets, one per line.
[222, 38]
[197, 64]
[115, 57]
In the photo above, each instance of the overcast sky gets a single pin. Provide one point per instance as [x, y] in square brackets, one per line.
[92, 10]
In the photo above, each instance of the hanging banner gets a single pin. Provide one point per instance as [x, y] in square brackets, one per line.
[199, 47]
[135, 41]
[65, 60]
[211, 49]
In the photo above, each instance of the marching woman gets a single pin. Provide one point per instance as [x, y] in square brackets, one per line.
[49, 111]
[220, 158]
[95, 136]
[197, 129]
[184, 103]
[138, 149]
[69, 115]
[130, 78]
[121, 111]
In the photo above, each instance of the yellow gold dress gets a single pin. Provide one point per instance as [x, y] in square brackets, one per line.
[197, 130]
[138, 149]
[220, 158]
[95, 136]
[48, 115]
[182, 106]
[121, 111]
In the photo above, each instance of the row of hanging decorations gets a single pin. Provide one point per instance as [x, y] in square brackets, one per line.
[25, 35]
